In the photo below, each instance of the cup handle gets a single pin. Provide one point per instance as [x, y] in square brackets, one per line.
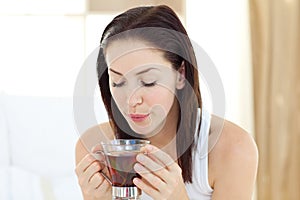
[101, 172]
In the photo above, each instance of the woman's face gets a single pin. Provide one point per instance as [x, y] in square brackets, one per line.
[142, 83]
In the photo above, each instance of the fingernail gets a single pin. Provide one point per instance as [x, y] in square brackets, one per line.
[136, 180]
[149, 147]
[138, 167]
[140, 157]
[98, 157]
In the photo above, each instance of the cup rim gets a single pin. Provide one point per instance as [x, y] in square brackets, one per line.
[125, 142]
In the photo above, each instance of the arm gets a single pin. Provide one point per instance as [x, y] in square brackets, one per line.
[92, 183]
[235, 161]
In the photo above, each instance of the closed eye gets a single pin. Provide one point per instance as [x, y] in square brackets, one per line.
[148, 84]
[118, 84]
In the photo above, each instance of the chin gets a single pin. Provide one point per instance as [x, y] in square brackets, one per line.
[147, 131]
[144, 131]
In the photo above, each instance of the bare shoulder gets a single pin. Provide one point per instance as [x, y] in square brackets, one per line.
[92, 137]
[231, 140]
[233, 160]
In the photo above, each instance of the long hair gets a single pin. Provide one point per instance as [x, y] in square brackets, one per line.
[159, 26]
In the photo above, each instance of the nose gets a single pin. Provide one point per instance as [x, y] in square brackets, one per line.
[135, 98]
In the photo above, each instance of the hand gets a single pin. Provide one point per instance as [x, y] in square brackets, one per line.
[92, 183]
[161, 176]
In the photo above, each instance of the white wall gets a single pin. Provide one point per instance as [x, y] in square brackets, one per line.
[222, 29]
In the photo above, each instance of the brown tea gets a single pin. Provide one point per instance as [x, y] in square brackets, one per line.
[120, 166]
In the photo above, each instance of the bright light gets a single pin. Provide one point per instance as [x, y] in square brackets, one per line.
[40, 55]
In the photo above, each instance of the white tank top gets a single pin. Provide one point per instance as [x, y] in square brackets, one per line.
[200, 188]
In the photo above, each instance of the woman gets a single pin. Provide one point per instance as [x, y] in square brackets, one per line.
[148, 79]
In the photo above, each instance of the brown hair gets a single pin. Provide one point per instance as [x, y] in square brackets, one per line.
[159, 26]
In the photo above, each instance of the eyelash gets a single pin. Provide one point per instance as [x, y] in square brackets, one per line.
[143, 83]
[148, 84]
[118, 84]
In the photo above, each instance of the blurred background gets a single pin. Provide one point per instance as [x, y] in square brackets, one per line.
[254, 45]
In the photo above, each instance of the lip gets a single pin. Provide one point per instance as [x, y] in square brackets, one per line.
[138, 117]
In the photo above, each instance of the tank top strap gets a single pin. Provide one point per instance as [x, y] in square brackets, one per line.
[202, 139]
[200, 186]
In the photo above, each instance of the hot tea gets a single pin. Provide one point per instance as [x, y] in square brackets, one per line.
[120, 155]
[120, 165]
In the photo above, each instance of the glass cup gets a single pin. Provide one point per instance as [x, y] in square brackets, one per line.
[120, 155]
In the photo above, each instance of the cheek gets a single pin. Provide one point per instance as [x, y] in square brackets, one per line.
[162, 98]
[119, 96]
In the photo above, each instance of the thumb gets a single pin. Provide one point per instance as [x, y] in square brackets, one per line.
[96, 148]
[98, 153]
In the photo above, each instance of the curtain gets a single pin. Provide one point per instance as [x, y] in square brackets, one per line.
[275, 33]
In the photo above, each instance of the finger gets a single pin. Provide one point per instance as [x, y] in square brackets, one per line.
[90, 171]
[146, 188]
[154, 158]
[96, 148]
[153, 166]
[84, 178]
[149, 162]
[84, 163]
[155, 153]
[96, 180]
[104, 187]
[153, 180]
[98, 155]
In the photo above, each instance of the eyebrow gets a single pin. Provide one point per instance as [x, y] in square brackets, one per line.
[141, 72]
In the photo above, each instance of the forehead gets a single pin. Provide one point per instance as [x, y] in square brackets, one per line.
[125, 55]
